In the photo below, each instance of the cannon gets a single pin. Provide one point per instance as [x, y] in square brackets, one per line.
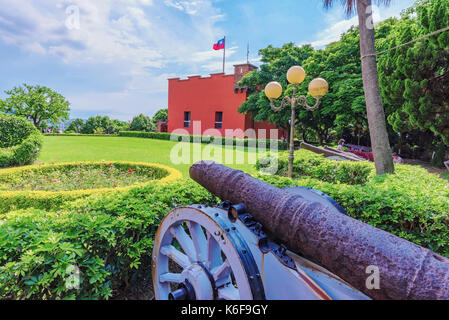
[263, 242]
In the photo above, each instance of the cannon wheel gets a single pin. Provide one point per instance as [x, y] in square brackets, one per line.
[199, 255]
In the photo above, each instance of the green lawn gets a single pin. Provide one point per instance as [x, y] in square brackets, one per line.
[65, 149]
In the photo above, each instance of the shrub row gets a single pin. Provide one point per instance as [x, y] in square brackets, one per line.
[20, 141]
[203, 139]
[313, 165]
[78, 135]
[13, 200]
[412, 203]
[108, 238]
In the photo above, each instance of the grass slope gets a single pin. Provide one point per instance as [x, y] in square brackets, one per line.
[67, 149]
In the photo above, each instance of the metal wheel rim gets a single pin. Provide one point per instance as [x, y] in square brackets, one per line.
[205, 247]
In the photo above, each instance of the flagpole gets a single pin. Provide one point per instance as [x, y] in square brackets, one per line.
[224, 55]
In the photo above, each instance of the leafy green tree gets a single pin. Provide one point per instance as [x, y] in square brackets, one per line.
[415, 78]
[339, 63]
[374, 106]
[344, 106]
[161, 115]
[142, 123]
[76, 125]
[118, 126]
[276, 61]
[94, 123]
[37, 104]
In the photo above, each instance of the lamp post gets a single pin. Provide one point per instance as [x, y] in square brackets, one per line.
[318, 88]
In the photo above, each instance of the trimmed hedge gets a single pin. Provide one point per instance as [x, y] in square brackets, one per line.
[412, 203]
[13, 200]
[20, 141]
[78, 135]
[193, 138]
[109, 238]
[313, 165]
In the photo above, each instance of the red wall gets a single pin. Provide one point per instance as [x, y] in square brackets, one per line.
[202, 97]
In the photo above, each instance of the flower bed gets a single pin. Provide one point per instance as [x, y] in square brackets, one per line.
[48, 186]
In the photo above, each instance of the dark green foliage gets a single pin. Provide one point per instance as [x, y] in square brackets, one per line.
[20, 142]
[415, 78]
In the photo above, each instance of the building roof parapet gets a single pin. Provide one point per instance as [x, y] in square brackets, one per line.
[246, 64]
[212, 75]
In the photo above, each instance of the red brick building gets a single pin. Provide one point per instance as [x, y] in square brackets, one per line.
[214, 101]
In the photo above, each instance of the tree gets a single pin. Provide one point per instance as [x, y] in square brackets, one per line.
[94, 124]
[37, 104]
[276, 61]
[118, 126]
[142, 123]
[374, 106]
[415, 78]
[76, 125]
[344, 106]
[161, 115]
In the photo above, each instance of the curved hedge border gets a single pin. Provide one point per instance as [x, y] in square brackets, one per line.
[11, 200]
[20, 141]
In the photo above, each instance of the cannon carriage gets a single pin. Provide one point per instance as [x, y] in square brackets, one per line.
[263, 242]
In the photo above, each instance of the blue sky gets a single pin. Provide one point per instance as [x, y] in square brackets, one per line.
[111, 57]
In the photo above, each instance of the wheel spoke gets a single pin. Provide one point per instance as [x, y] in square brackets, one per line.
[170, 277]
[223, 271]
[177, 256]
[213, 253]
[228, 293]
[185, 241]
[199, 240]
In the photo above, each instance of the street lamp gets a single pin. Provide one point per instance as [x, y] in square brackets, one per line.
[318, 88]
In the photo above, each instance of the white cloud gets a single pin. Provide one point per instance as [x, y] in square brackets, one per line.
[131, 36]
[336, 27]
[190, 7]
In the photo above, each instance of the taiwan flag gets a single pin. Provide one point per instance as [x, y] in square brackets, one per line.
[220, 44]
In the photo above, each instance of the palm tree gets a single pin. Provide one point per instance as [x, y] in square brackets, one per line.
[374, 106]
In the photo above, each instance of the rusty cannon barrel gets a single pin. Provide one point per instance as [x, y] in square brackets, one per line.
[345, 246]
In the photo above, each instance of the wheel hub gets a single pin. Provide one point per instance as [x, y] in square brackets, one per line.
[198, 277]
[215, 260]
